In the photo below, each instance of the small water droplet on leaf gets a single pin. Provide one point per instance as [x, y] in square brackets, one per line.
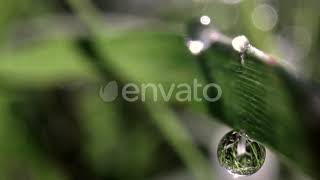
[242, 56]
[241, 44]
[240, 155]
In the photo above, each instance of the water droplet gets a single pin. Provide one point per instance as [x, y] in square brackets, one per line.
[241, 44]
[199, 32]
[240, 155]
[195, 46]
[242, 56]
[205, 20]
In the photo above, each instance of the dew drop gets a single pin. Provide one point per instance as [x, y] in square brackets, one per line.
[240, 155]
[241, 45]
[195, 46]
[242, 56]
[199, 31]
[205, 20]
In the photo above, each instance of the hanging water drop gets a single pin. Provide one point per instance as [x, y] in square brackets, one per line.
[240, 155]
[199, 32]
[242, 56]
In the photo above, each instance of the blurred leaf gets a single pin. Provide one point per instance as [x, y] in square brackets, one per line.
[152, 57]
[19, 157]
[180, 139]
[43, 64]
[119, 146]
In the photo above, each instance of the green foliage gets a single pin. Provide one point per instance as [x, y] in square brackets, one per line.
[255, 97]
[44, 64]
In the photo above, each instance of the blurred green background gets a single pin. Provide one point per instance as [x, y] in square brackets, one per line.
[56, 55]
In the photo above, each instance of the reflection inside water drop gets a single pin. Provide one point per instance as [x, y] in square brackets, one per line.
[240, 155]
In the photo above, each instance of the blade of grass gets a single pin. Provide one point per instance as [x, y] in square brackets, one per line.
[166, 120]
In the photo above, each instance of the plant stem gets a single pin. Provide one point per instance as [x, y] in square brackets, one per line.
[219, 38]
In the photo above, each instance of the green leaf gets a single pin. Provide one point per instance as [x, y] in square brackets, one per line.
[257, 98]
[43, 64]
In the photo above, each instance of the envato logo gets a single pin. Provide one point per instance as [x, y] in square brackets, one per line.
[181, 92]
